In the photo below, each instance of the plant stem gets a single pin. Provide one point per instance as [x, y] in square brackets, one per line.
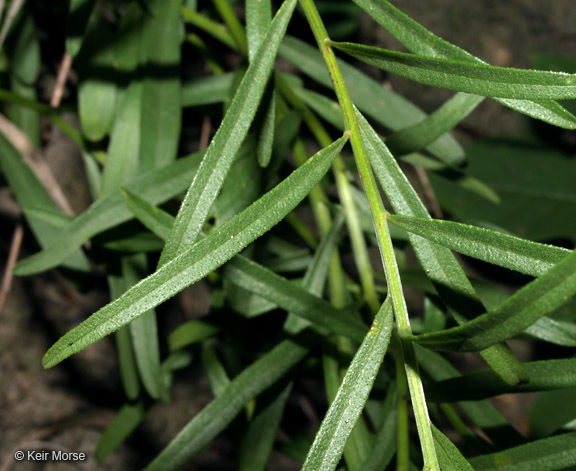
[384, 241]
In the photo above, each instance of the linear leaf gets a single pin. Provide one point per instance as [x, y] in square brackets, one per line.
[478, 79]
[206, 90]
[419, 40]
[158, 186]
[439, 263]
[97, 91]
[211, 420]
[344, 411]
[121, 427]
[259, 438]
[258, 18]
[481, 413]
[544, 375]
[491, 246]
[227, 140]
[553, 331]
[376, 101]
[126, 360]
[537, 299]
[30, 192]
[161, 108]
[144, 333]
[424, 133]
[189, 333]
[280, 291]
[548, 454]
[299, 301]
[123, 151]
[199, 260]
[449, 456]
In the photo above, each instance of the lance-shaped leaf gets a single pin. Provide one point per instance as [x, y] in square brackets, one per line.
[544, 375]
[420, 135]
[548, 454]
[344, 411]
[491, 246]
[227, 140]
[258, 18]
[419, 40]
[368, 95]
[478, 79]
[119, 429]
[161, 109]
[158, 186]
[449, 456]
[199, 260]
[206, 90]
[300, 301]
[440, 265]
[537, 299]
[30, 192]
[216, 416]
[294, 299]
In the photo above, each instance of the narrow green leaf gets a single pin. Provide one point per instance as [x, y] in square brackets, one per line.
[553, 331]
[161, 108]
[449, 456]
[268, 285]
[156, 220]
[491, 246]
[255, 278]
[97, 91]
[122, 164]
[258, 19]
[378, 102]
[384, 446]
[189, 333]
[76, 23]
[227, 140]
[344, 411]
[158, 186]
[199, 260]
[316, 273]
[530, 179]
[535, 300]
[125, 422]
[421, 41]
[544, 375]
[548, 454]
[478, 79]
[211, 420]
[127, 364]
[144, 333]
[439, 263]
[206, 90]
[24, 70]
[126, 359]
[266, 135]
[258, 440]
[551, 411]
[30, 192]
[423, 134]
[214, 369]
[482, 413]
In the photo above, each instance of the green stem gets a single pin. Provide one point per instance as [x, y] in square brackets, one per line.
[359, 247]
[379, 216]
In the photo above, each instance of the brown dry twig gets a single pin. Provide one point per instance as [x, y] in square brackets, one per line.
[12, 257]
